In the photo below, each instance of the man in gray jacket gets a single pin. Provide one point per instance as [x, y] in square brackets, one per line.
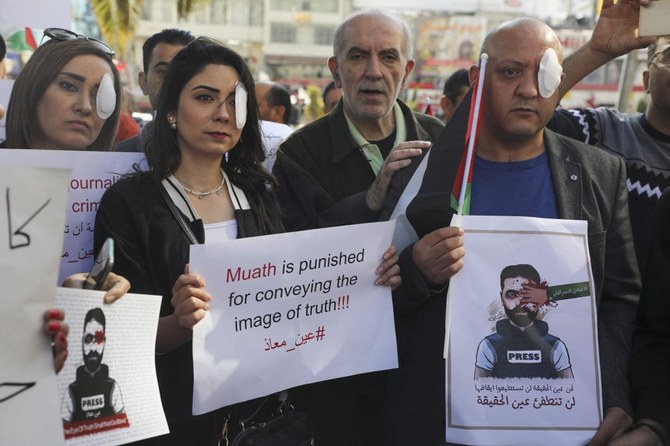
[520, 169]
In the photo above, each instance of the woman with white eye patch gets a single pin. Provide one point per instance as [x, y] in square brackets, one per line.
[66, 97]
[207, 184]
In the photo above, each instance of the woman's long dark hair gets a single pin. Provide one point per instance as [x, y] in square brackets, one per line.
[244, 162]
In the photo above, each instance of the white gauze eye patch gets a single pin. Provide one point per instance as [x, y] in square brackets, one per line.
[549, 74]
[240, 105]
[105, 100]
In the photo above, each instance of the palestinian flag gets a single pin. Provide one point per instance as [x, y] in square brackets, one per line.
[428, 206]
[460, 192]
[22, 41]
[429, 109]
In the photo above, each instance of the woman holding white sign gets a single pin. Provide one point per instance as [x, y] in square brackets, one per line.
[207, 184]
[67, 97]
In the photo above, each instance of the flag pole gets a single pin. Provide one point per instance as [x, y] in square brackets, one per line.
[456, 219]
[473, 131]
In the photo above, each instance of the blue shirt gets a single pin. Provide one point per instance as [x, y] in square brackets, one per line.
[519, 188]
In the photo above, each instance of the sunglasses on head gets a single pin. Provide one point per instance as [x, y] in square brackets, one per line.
[63, 35]
[662, 59]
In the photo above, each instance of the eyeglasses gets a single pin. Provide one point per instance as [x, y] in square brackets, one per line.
[63, 35]
[661, 59]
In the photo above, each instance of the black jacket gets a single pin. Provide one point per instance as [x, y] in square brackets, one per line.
[650, 361]
[151, 251]
[323, 175]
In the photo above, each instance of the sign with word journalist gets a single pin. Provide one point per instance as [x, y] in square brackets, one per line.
[522, 346]
[32, 212]
[92, 174]
[291, 309]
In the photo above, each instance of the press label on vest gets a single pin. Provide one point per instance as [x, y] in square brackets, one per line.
[93, 402]
[524, 356]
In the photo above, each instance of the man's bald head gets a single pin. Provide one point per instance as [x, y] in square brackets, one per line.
[521, 30]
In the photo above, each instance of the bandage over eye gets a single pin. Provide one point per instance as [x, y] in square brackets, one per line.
[105, 101]
[240, 105]
[549, 73]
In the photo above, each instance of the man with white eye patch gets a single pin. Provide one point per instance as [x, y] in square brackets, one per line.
[521, 169]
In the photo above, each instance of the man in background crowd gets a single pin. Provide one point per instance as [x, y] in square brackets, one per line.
[331, 96]
[157, 53]
[274, 102]
[641, 139]
[455, 88]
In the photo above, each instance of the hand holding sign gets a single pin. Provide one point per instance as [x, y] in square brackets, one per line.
[291, 316]
[189, 299]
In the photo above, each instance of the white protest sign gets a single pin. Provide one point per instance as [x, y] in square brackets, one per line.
[273, 134]
[32, 211]
[36, 13]
[92, 174]
[291, 309]
[108, 388]
[539, 381]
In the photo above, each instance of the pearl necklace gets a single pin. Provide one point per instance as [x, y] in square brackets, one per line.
[203, 194]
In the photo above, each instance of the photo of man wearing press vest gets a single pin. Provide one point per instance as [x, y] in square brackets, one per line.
[521, 347]
[93, 394]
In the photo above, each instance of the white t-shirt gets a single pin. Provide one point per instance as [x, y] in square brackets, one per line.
[220, 231]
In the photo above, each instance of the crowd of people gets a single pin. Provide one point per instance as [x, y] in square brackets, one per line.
[207, 183]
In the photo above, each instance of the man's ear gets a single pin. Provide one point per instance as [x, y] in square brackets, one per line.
[333, 66]
[409, 67]
[142, 80]
[472, 74]
[408, 70]
[444, 103]
[645, 80]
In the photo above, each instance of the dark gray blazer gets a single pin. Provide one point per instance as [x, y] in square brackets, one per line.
[589, 185]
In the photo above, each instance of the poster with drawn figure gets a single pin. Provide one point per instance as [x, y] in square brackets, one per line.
[32, 211]
[92, 174]
[108, 389]
[291, 309]
[522, 356]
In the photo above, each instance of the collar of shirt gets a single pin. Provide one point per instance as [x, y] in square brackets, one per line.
[371, 151]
